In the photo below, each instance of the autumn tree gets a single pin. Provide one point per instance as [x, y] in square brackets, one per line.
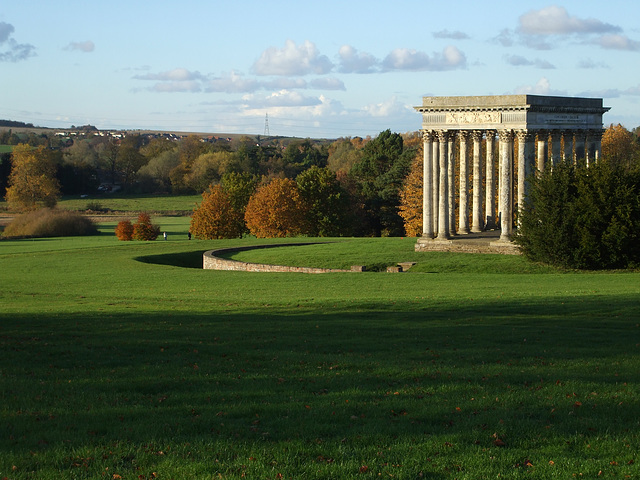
[143, 229]
[274, 210]
[124, 230]
[216, 217]
[32, 182]
[411, 197]
[620, 147]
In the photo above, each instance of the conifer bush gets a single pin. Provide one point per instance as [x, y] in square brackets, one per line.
[585, 218]
[50, 222]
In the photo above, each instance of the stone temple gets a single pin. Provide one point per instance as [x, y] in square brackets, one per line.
[533, 131]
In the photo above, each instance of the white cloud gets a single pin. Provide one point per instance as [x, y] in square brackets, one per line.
[175, 75]
[388, 108]
[617, 42]
[590, 64]
[328, 83]
[519, 61]
[6, 29]
[542, 87]
[10, 50]
[555, 20]
[455, 35]
[231, 83]
[86, 46]
[408, 59]
[352, 61]
[292, 60]
[177, 86]
[283, 98]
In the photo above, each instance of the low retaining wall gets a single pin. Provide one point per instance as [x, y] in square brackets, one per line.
[211, 261]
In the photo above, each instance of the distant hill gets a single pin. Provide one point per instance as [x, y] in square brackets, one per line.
[13, 123]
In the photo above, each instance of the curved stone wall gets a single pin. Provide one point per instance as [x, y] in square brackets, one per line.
[211, 261]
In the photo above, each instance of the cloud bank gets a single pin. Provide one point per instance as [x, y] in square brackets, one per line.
[10, 50]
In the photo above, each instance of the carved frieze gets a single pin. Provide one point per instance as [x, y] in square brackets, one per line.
[472, 117]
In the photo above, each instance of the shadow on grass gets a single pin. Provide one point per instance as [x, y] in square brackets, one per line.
[181, 259]
[324, 385]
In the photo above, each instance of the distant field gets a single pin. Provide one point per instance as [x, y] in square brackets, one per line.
[6, 148]
[126, 360]
[134, 203]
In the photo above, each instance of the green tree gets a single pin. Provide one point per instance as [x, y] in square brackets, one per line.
[325, 203]
[156, 174]
[240, 187]
[32, 182]
[129, 159]
[380, 174]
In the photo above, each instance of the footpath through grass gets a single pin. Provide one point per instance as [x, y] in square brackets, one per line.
[119, 364]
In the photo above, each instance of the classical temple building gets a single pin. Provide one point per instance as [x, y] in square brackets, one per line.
[533, 131]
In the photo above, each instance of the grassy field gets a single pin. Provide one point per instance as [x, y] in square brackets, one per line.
[121, 202]
[127, 360]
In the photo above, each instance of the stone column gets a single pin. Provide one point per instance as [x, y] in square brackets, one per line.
[526, 160]
[567, 139]
[463, 211]
[427, 185]
[542, 149]
[556, 147]
[506, 173]
[490, 192]
[435, 159]
[476, 220]
[451, 183]
[443, 204]
[598, 144]
[581, 140]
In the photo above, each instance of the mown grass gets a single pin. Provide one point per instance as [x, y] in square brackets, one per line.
[119, 364]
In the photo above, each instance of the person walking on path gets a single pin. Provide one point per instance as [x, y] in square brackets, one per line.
[165, 235]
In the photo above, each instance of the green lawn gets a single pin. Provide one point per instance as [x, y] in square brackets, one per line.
[126, 360]
[133, 202]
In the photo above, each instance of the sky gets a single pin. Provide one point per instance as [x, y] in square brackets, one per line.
[313, 69]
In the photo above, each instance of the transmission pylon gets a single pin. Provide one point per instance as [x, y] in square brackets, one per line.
[266, 125]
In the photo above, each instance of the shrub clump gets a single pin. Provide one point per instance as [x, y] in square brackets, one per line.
[585, 218]
[50, 222]
[124, 230]
[143, 229]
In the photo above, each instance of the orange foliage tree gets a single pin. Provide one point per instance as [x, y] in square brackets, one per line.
[275, 210]
[411, 197]
[124, 230]
[216, 217]
[143, 229]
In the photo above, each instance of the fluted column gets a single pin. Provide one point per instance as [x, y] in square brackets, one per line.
[476, 216]
[567, 140]
[506, 174]
[580, 151]
[451, 183]
[543, 137]
[463, 212]
[427, 185]
[598, 144]
[435, 162]
[526, 160]
[443, 204]
[490, 192]
[556, 147]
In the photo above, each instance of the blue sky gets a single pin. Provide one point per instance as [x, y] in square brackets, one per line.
[318, 69]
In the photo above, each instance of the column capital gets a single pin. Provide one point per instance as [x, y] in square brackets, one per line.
[476, 135]
[505, 135]
[427, 135]
[524, 135]
[490, 133]
[442, 135]
[464, 134]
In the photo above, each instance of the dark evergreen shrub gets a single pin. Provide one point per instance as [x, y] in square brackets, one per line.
[586, 218]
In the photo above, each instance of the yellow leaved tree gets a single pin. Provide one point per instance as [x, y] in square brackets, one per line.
[32, 182]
